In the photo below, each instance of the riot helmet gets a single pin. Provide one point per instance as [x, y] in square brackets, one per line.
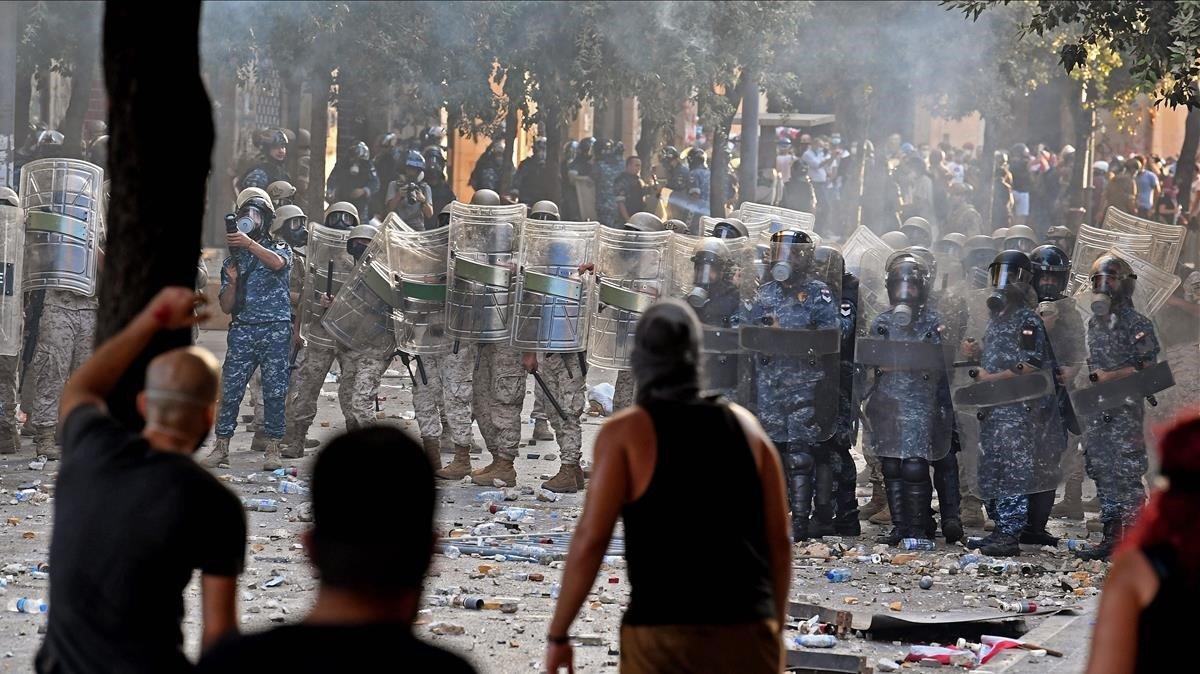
[918, 231]
[828, 265]
[273, 138]
[414, 166]
[1010, 275]
[948, 246]
[676, 225]
[907, 283]
[926, 256]
[1020, 237]
[978, 253]
[584, 150]
[604, 147]
[98, 151]
[1113, 282]
[570, 151]
[485, 198]
[1062, 237]
[644, 222]
[1051, 272]
[696, 158]
[791, 254]
[360, 238]
[895, 239]
[292, 225]
[709, 264]
[9, 196]
[444, 216]
[730, 228]
[544, 210]
[998, 236]
[342, 215]
[619, 148]
[281, 192]
[255, 213]
[435, 158]
[669, 154]
[360, 152]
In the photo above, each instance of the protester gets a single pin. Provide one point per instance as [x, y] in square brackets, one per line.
[134, 514]
[1155, 575]
[647, 460]
[371, 548]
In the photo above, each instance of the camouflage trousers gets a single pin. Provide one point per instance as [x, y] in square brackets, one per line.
[1115, 456]
[430, 404]
[1007, 436]
[64, 342]
[253, 346]
[8, 391]
[358, 380]
[566, 382]
[489, 379]
[624, 391]
[358, 387]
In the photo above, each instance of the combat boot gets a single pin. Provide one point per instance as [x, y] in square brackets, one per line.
[501, 469]
[566, 480]
[218, 455]
[1071, 507]
[1001, 545]
[1091, 505]
[433, 451]
[971, 514]
[895, 499]
[44, 443]
[10, 440]
[1034, 532]
[310, 443]
[259, 443]
[459, 467]
[541, 430]
[877, 503]
[580, 478]
[945, 480]
[915, 517]
[821, 523]
[272, 455]
[1112, 534]
[488, 468]
[293, 446]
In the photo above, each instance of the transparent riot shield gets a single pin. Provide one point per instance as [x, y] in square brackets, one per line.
[61, 200]
[1008, 407]
[12, 254]
[1152, 290]
[778, 218]
[632, 271]
[585, 191]
[792, 339]
[420, 315]
[1092, 242]
[716, 278]
[905, 361]
[480, 279]
[1166, 240]
[329, 265]
[360, 317]
[865, 255]
[551, 299]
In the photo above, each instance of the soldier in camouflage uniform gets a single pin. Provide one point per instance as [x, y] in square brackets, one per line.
[564, 376]
[10, 437]
[65, 334]
[254, 290]
[362, 367]
[1120, 341]
[786, 387]
[1014, 341]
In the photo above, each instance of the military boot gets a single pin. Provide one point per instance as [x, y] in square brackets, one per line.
[566, 480]
[218, 455]
[580, 478]
[10, 440]
[895, 508]
[885, 515]
[915, 522]
[945, 480]
[1001, 545]
[501, 469]
[541, 430]
[310, 443]
[877, 503]
[272, 455]
[293, 445]
[259, 443]
[972, 512]
[488, 468]
[459, 467]
[1091, 505]
[1071, 507]
[433, 451]
[1112, 534]
[821, 523]
[1034, 532]
[44, 444]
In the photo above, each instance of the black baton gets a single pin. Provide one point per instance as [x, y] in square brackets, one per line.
[421, 371]
[329, 279]
[404, 360]
[549, 396]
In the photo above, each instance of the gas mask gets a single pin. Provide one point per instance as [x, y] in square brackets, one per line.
[906, 290]
[791, 256]
[708, 266]
[1105, 291]
[248, 221]
[295, 232]
[356, 248]
[1008, 286]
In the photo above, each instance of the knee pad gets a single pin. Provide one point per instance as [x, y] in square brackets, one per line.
[801, 462]
[890, 468]
[914, 470]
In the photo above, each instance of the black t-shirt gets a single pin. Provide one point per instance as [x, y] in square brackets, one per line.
[629, 188]
[130, 526]
[380, 647]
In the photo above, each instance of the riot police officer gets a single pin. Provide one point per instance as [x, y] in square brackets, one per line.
[486, 174]
[531, 183]
[269, 168]
[609, 166]
[353, 179]
[700, 180]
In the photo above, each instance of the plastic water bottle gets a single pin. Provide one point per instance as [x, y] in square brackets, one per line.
[816, 641]
[287, 487]
[261, 505]
[1074, 544]
[490, 495]
[27, 605]
[554, 590]
[838, 575]
[516, 514]
[969, 558]
[452, 552]
[917, 544]
[290, 471]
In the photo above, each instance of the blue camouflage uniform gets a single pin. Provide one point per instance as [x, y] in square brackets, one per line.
[906, 406]
[1115, 450]
[699, 191]
[607, 171]
[1066, 338]
[846, 431]
[263, 173]
[1008, 434]
[260, 336]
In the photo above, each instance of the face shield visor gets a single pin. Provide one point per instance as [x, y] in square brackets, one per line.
[791, 256]
[1008, 282]
[339, 220]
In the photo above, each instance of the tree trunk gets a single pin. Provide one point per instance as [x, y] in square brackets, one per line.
[83, 76]
[512, 92]
[1186, 167]
[157, 203]
[748, 173]
[554, 130]
[719, 170]
[647, 141]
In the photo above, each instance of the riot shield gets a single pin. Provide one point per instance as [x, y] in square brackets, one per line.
[12, 253]
[1093, 242]
[420, 314]
[585, 191]
[61, 200]
[792, 339]
[716, 278]
[778, 218]
[1153, 288]
[905, 360]
[632, 270]
[1007, 406]
[480, 279]
[551, 298]
[329, 265]
[1166, 240]
[865, 255]
[360, 317]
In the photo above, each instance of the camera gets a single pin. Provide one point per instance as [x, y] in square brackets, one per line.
[411, 191]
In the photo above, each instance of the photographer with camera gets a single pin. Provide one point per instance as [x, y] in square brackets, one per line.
[409, 196]
[353, 179]
[254, 291]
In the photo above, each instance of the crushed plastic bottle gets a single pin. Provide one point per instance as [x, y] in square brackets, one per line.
[554, 590]
[490, 495]
[261, 505]
[452, 552]
[917, 544]
[815, 641]
[516, 514]
[290, 471]
[838, 575]
[288, 487]
[27, 605]
[970, 558]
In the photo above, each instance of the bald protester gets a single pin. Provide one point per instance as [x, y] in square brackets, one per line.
[134, 514]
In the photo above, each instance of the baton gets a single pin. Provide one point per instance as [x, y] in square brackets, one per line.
[404, 360]
[455, 350]
[329, 279]
[421, 371]
[549, 396]
[583, 366]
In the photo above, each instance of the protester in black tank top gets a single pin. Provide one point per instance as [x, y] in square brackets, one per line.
[1155, 574]
[649, 461]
